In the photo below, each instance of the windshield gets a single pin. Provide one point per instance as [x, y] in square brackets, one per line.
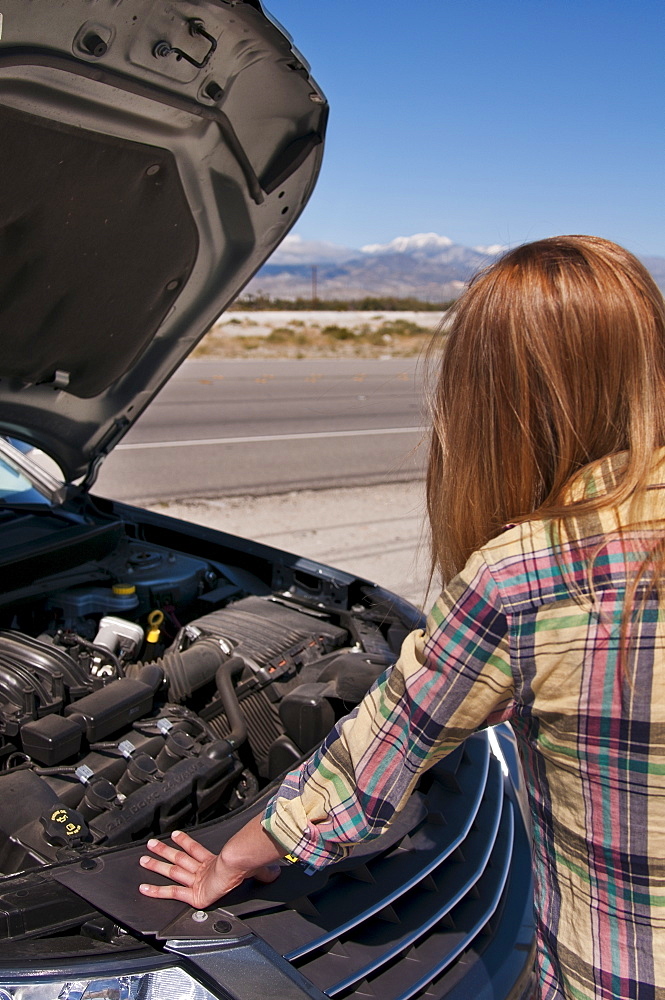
[15, 488]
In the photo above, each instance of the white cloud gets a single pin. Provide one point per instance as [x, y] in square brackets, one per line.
[295, 250]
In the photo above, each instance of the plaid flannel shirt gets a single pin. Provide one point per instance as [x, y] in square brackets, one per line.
[520, 635]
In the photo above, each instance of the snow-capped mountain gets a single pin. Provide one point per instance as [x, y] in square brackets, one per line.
[426, 266]
[421, 243]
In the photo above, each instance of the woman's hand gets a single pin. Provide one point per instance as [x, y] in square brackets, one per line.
[200, 877]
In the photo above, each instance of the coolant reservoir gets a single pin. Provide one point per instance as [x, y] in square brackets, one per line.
[80, 602]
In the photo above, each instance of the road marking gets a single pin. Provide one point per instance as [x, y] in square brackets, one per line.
[267, 437]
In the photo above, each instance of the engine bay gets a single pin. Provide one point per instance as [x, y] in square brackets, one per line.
[145, 688]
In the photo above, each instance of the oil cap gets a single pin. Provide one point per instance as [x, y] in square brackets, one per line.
[64, 827]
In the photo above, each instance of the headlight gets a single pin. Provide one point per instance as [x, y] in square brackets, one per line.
[161, 985]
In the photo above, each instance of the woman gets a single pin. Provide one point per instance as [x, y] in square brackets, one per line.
[546, 500]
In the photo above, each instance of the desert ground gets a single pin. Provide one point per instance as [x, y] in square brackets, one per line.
[318, 334]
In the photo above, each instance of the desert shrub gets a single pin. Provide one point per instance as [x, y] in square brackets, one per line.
[338, 333]
[281, 335]
[402, 328]
[285, 335]
[376, 338]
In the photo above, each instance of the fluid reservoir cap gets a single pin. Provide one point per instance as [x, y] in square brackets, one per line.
[64, 826]
[123, 589]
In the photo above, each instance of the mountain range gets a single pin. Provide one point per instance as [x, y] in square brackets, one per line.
[424, 266]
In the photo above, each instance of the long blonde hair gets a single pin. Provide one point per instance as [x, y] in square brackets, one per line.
[553, 358]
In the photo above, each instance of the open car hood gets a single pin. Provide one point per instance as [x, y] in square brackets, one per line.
[153, 155]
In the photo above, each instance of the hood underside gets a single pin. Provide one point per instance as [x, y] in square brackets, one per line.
[152, 159]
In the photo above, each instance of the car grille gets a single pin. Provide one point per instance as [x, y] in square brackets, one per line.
[396, 923]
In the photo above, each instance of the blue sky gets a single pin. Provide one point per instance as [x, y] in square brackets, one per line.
[485, 120]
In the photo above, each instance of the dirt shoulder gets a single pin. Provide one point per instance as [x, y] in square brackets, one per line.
[319, 334]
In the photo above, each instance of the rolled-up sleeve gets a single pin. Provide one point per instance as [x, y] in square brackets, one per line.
[450, 679]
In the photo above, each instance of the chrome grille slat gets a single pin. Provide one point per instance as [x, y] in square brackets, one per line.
[400, 911]
[330, 909]
[377, 942]
[441, 946]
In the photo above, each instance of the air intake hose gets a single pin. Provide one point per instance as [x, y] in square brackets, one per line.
[204, 661]
[189, 670]
[225, 689]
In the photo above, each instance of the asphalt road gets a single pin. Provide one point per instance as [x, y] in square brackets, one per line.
[225, 428]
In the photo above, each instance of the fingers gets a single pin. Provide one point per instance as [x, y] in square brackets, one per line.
[176, 872]
[170, 856]
[194, 871]
[193, 848]
[179, 892]
[181, 866]
[189, 858]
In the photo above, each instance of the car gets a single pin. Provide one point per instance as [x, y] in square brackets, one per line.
[156, 675]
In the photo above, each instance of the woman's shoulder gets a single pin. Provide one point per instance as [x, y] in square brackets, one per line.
[519, 541]
[544, 559]
[526, 565]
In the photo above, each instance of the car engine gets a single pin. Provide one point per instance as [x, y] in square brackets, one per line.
[126, 712]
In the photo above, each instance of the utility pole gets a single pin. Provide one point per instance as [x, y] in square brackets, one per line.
[314, 277]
